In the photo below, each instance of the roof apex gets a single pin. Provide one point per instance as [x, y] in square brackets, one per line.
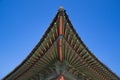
[61, 8]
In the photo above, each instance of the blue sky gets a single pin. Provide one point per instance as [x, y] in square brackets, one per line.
[23, 22]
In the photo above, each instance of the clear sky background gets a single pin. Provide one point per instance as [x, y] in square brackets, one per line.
[23, 23]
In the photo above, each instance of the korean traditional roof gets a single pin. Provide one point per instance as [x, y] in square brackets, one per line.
[61, 52]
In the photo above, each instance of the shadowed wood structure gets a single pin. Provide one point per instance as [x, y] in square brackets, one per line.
[61, 55]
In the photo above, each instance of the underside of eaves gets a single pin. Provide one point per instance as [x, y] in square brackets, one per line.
[61, 55]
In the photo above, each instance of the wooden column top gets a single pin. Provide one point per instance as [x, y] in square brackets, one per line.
[62, 78]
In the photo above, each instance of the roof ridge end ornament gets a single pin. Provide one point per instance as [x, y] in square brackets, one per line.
[61, 8]
[61, 11]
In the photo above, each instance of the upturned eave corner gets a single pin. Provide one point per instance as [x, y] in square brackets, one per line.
[61, 55]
